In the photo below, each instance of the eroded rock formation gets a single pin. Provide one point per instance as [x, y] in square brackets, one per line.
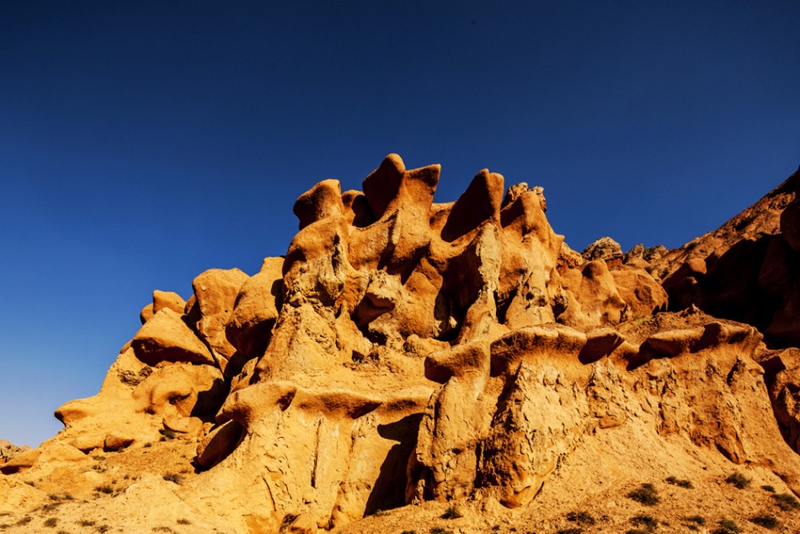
[405, 351]
[747, 270]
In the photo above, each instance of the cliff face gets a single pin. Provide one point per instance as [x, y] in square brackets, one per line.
[405, 353]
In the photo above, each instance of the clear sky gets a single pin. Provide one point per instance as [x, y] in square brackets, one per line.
[142, 143]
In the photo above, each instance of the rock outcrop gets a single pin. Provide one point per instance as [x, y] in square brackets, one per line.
[747, 270]
[405, 351]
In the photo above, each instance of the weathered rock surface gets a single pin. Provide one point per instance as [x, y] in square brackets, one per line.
[748, 270]
[166, 338]
[405, 353]
[255, 310]
[8, 450]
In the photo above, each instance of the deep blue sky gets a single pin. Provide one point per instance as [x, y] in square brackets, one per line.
[144, 142]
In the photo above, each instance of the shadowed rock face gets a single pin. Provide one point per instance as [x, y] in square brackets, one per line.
[747, 270]
[405, 350]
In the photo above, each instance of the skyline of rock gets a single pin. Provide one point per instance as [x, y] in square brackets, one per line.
[406, 353]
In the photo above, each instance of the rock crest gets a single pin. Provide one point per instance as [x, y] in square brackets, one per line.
[407, 351]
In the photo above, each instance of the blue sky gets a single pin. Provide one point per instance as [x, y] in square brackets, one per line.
[142, 143]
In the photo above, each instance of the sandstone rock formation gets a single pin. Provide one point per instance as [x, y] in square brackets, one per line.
[408, 353]
[747, 270]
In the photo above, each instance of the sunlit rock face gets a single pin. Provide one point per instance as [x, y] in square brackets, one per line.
[405, 351]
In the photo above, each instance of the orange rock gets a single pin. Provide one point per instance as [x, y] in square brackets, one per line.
[167, 299]
[146, 314]
[594, 298]
[383, 184]
[216, 291]
[320, 202]
[405, 351]
[746, 270]
[23, 460]
[255, 310]
[166, 337]
[605, 249]
[640, 292]
[480, 203]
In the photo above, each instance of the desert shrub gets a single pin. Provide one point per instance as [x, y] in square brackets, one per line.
[738, 480]
[103, 528]
[51, 522]
[648, 522]
[645, 494]
[571, 531]
[184, 522]
[785, 501]
[409, 532]
[451, 513]
[728, 526]
[582, 518]
[697, 519]
[440, 530]
[86, 523]
[680, 482]
[766, 520]
[172, 477]
[25, 520]
[104, 489]
[637, 531]
[768, 488]
[288, 519]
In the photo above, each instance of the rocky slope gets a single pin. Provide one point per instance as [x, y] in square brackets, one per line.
[414, 366]
[747, 270]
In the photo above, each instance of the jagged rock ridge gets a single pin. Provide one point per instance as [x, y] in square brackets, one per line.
[405, 351]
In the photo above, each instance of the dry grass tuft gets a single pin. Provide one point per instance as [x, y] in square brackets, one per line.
[645, 494]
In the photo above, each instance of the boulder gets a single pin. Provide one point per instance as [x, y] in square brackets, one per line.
[8, 450]
[21, 461]
[166, 338]
[167, 299]
[605, 249]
